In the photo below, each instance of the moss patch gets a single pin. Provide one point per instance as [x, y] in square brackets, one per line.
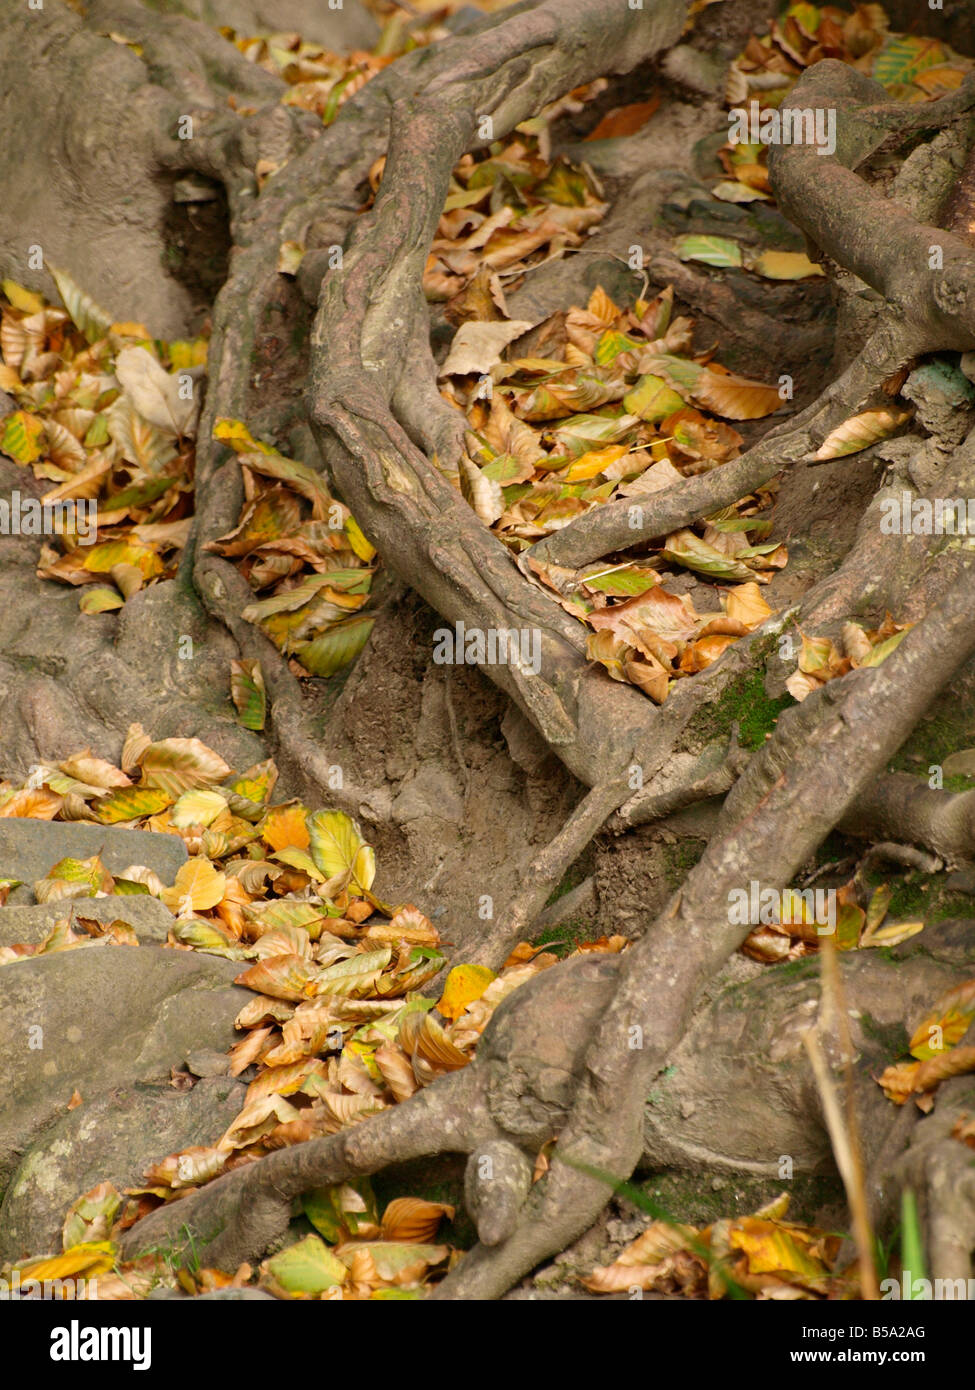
[923, 895]
[574, 875]
[569, 934]
[946, 729]
[745, 702]
[700, 1199]
[680, 858]
[893, 1038]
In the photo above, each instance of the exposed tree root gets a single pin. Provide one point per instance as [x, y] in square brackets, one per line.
[902, 807]
[573, 1056]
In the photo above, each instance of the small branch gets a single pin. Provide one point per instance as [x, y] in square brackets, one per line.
[844, 1137]
[620, 524]
[547, 870]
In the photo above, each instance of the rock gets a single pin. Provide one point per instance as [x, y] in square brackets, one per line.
[114, 1137]
[30, 848]
[738, 1093]
[97, 1019]
[204, 1061]
[236, 1295]
[148, 917]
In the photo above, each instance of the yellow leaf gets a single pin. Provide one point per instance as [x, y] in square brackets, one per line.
[25, 300]
[87, 1259]
[176, 764]
[772, 1248]
[337, 847]
[358, 542]
[99, 598]
[784, 265]
[21, 437]
[465, 983]
[592, 464]
[304, 1270]
[860, 431]
[197, 807]
[240, 439]
[198, 886]
[745, 602]
[131, 803]
[284, 826]
[947, 1022]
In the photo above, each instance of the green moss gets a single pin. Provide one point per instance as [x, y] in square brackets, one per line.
[832, 850]
[573, 876]
[922, 895]
[797, 969]
[569, 934]
[680, 858]
[946, 729]
[893, 1038]
[744, 701]
[700, 1199]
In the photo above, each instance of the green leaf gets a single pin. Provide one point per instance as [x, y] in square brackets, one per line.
[621, 583]
[299, 476]
[912, 1242]
[300, 859]
[902, 57]
[99, 598]
[652, 399]
[353, 977]
[131, 803]
[687, 549]
[307, 1268]
[21, 438]
[339, 645]
[139, 494]
[611, 343]
[248, 693]
[712, 250]
[883, 649]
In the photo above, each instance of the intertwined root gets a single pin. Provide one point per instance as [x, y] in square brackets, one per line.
[574, 1056]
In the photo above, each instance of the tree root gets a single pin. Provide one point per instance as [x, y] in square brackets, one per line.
[583, 1073]
[904, 808]
[572, 1056]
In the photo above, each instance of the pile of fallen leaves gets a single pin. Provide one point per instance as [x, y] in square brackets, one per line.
[339, 1028]
[934, 1046]
[820, 660]
[793, 931]
[108, 415]
[618, 407]
[761, 1256]
[301, 548]
[318, 79]
[912, 68]
[507, 211]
